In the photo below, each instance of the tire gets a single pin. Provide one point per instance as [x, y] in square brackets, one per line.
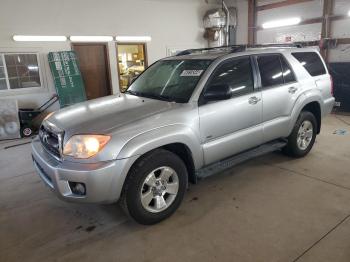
[305, 129]
[26, 131]
[156, 175]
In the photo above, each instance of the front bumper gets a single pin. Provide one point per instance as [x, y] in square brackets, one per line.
[103, 181]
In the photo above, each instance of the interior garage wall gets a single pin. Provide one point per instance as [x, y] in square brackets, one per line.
[242, 19]
[340, 29]
[170, 24]
[309, 32]
[305, 11]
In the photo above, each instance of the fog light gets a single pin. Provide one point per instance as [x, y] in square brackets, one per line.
[78, 188]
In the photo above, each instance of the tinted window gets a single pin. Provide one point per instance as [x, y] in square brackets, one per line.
[288, 74]
[237, 74]
[311, 62]
[270, 70]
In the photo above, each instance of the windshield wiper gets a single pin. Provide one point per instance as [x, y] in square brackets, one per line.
[135, 93]
[161, 97]
[130, 92]
[154, 96]
[168, 98]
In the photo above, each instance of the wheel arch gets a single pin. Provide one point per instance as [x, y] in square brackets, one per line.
[182, 151]
[307, 102]
[314, 108]
[179, 140]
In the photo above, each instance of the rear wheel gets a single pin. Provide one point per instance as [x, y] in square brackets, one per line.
[155, 187]
[303, 136]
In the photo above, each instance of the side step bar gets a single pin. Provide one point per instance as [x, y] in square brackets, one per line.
[239, 158]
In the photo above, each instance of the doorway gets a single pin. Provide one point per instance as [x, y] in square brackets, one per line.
[94, 67]
[132, 61]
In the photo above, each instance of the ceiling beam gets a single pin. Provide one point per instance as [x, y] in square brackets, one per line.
[280, 4]
[343, 41]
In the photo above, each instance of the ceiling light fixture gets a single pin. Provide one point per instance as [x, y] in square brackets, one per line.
[349, 13]
[96, 38]
[133, 39]
[39, 38]
[280, 23]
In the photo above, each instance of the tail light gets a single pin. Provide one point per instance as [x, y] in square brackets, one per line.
[332, 86]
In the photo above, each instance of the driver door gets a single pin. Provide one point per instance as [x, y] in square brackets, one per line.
[232, 125]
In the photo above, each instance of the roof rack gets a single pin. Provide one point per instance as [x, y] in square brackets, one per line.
[230, 48]
[236, 48]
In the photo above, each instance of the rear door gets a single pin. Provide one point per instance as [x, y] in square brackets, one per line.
[230, 126]
[279, 93]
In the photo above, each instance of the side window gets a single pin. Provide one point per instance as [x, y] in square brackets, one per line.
[236, 73]
[311, 61]
[288, 74]
[270, 70]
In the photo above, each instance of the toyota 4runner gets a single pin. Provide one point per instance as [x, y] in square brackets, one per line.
[183, 118]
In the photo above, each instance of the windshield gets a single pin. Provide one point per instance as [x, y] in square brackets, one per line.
[170, 80]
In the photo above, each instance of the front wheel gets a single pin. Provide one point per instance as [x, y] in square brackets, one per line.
[303, 136]
[155, 187]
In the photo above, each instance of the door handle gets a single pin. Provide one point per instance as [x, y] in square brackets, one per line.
[253, 100]
[292, 89]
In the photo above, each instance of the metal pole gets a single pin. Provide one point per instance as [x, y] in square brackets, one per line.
[227, 22]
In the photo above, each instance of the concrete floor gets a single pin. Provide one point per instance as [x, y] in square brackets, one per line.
[268, 209]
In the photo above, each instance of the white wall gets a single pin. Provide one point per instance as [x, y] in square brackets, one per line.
[341, 29]
[170, 23]
[305, 11]
[242, 19]
[308, 32]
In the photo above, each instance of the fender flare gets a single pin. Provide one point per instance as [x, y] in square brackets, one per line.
[303, 100]
[156, 138]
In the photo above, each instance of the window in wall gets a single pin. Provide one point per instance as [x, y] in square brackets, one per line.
[237, 74]
[270, 70]
[311, 61]
[3, 83]
[132, 61]
[19, 71]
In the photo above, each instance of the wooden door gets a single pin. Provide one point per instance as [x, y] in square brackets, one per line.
[94, 66]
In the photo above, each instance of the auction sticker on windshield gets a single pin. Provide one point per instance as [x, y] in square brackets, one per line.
[191, 73]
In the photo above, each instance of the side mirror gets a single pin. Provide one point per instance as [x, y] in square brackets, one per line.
[217, 92]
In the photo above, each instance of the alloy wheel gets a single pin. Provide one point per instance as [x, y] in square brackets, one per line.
[305, 135]
[159, 189]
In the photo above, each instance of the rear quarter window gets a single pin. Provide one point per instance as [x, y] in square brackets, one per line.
[312, 62]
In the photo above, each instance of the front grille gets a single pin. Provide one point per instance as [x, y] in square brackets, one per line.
[50, 141]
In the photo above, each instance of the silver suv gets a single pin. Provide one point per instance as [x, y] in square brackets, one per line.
[184, 118]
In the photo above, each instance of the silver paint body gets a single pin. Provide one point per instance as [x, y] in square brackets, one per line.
[211, 132]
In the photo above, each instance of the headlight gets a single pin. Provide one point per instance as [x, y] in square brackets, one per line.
[85, 146]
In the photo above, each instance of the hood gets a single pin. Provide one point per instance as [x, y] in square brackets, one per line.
[105, 115]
